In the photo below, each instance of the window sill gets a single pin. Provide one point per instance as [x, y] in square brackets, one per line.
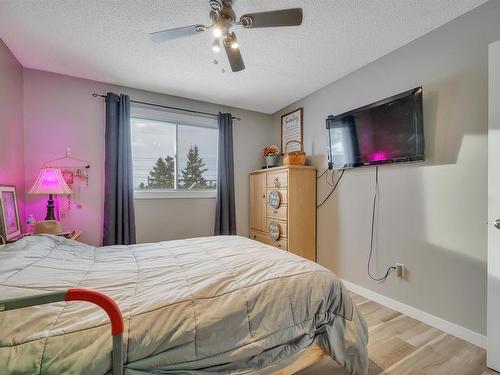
[159, 194]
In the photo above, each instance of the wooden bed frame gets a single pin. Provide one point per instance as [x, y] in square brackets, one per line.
[311, 356]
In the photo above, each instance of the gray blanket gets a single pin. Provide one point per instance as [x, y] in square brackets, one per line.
[214, 305]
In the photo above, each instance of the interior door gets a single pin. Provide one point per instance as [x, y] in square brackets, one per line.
[258, 201]
[494, 208]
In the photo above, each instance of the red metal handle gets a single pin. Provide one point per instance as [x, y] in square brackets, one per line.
[101, 300]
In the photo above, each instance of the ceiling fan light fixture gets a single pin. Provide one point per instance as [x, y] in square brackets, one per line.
[216, 45]
[217, 32]
[231, 41]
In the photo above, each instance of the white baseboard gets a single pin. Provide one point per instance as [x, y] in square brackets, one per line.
[439, 323]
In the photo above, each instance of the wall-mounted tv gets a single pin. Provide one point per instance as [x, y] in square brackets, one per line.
[388, 131]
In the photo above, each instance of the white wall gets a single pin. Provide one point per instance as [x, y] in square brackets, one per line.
[431, 216]
[11, 124]
[59, 112]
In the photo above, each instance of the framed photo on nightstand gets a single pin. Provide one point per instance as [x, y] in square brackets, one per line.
[10, 227]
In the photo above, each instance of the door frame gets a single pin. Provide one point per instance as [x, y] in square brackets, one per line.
[493, 293]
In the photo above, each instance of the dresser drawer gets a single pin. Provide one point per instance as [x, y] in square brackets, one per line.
[276, 213]
[282, 227]
[277, 180]
[264, 238]
[259, 236]
[281, 243]
[283, 193]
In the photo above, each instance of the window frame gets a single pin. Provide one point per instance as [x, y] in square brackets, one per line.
[140, 112]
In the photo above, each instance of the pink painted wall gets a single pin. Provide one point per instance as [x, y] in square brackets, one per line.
[59, 112]
[11, 124]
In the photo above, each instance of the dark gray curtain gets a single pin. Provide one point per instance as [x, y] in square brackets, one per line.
[225, 213]
[119, 216]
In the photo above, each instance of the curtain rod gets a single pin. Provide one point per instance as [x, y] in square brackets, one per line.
[168, 107]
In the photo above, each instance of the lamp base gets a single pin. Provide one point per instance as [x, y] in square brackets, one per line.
[48, 226]
[50, 208]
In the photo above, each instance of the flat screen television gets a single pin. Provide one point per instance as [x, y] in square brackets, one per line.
[388, 131]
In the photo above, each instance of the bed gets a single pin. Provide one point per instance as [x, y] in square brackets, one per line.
[212, 305]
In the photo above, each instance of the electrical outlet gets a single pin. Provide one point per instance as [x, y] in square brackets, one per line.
[400, 270]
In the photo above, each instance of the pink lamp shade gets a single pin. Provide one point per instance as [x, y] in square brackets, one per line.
[50, 181]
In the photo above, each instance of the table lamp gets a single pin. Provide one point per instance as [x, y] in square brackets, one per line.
[50, 181]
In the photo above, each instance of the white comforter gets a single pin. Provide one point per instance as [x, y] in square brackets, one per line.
[205, 305]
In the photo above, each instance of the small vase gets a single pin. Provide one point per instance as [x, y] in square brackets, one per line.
[272, 161]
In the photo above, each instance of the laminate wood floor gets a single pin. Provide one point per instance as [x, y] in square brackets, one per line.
[400, 345]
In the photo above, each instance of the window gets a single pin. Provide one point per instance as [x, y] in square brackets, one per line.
[173, 156]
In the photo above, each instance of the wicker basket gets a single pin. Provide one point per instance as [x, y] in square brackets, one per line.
[294, 157]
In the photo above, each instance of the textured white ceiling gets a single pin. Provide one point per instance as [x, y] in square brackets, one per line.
[108, 41]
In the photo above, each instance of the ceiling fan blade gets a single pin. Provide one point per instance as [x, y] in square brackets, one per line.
[179, 32]
[275, 18]
[235, 59]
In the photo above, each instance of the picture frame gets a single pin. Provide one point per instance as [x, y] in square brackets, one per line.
[10, 226]
[292, 129]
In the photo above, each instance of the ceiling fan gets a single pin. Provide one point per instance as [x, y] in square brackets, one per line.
[223, 18]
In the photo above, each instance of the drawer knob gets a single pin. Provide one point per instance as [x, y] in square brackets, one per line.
[278, 244]
[275, 211]
[254, 236]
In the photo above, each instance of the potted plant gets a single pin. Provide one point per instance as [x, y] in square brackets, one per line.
[271, 156]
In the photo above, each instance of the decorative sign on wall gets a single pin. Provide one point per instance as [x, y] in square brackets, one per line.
[291, 130]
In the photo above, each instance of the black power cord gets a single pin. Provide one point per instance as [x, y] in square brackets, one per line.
[378, 279]
[328, 182]
[333, 189]
[322, 174]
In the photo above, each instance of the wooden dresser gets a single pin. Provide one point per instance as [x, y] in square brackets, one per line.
[283, 208]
